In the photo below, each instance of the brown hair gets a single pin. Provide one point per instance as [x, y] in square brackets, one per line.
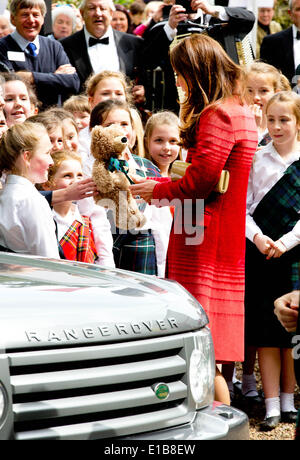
[62, 115]
[210, 76]
[101, 110]
[49, 120]
[16, 5]
[289, 98]
[58, 158]
[17, 139]
[93, 81]
[77, 103]
[279, 81]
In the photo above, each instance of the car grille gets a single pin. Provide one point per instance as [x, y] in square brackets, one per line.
[100, 391]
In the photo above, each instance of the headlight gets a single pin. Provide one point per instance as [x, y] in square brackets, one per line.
[202, 369]
[3, 403]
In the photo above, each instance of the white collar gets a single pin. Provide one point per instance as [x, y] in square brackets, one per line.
[22, 42]
[16, 179]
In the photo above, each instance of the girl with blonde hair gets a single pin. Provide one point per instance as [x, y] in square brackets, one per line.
[26, 222]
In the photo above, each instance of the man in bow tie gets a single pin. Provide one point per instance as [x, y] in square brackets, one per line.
[99, 47]
[282, 50]
[42, 62]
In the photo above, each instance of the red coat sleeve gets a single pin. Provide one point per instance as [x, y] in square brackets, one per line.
[215, 140]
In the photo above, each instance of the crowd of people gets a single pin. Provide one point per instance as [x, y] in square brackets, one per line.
[174, 98]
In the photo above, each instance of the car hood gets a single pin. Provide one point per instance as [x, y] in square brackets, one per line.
[59, 303]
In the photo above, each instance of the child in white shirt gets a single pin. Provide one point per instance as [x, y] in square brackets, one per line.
[26, 222]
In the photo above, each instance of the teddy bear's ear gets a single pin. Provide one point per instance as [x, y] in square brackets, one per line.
[97, 133]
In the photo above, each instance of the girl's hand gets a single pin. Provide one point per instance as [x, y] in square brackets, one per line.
[258, 115]
[286, 310]
[263, 243]
[276, 250]
[81, 189]
[143, 189]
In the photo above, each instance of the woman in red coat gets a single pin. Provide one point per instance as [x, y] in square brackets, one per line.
[220, 133]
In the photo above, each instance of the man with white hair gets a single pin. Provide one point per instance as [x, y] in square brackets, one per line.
[98, 46]
[42, 61]
[63, 21]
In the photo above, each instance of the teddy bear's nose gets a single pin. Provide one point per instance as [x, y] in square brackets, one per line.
[124, 140]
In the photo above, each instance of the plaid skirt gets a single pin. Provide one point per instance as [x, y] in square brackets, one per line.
[135, 252]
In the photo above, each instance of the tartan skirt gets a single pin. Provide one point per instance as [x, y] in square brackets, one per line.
[135, 251]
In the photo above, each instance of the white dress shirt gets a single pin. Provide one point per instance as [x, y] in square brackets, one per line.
[26, 221]
[22, 42]
[267, 168]
[103, 57]
[296, 47]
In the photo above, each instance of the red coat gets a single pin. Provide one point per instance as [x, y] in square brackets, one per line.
[213, 271]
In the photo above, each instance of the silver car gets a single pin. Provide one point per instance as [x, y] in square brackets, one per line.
[95, 353]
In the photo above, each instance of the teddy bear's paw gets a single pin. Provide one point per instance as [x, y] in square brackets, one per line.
[137, 219]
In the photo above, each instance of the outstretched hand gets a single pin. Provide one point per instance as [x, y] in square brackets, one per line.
[143, 188]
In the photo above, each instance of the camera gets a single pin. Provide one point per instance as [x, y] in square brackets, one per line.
[186, 4]
[166, 11]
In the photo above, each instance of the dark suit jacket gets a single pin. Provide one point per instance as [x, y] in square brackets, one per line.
[277, 50]
[128, 48]
[156, 54]
[49, 86]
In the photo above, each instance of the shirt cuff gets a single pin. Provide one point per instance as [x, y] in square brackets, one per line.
[223, 16]
[290, 240]
[251, 228]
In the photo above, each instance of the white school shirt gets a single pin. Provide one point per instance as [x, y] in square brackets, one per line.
[267, 168]
[103, 57]
[159, 220]
[26, 221]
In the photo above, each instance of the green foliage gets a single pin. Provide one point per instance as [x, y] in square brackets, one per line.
[77, 2]
[281, 13]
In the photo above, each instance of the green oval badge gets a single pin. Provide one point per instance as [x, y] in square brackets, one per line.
[161, 391]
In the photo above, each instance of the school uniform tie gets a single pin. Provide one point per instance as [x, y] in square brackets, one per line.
[32, 49]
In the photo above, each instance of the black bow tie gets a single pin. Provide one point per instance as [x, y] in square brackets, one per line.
[298, 35]
[95, 41]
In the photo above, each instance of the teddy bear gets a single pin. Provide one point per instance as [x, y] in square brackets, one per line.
[111, 176]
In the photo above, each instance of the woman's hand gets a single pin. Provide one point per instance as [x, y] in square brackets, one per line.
[143, 189]
[287, 310]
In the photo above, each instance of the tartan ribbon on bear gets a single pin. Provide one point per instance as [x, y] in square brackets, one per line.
[119, 165]
[282, 200]
[78, 242]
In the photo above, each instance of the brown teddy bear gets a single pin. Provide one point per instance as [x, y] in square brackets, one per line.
[111, 176]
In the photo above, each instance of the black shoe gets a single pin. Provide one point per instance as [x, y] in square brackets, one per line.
[237, 386]
[289, 417]
[270, 423]
[252, 400]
